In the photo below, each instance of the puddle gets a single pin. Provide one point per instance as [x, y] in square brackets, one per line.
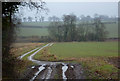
[72, 66]
[33, 67]
[64, 69]
[49, 73]
[40, 69]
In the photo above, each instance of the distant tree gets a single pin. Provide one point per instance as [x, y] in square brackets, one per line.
[42, 18]
[30, 19]
[36, 19]
[96, 15]
[100, 32]
[84, 31]
[49, 19]
[69, 27]
[55, 29]
[89, 19]
[25, 19]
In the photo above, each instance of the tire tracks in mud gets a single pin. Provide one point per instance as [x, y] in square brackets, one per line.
[52, 70]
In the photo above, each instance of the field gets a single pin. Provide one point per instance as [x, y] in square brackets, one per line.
[35, 23]
[85, 49]
[32, 32]
[99, 59]
[111, 28]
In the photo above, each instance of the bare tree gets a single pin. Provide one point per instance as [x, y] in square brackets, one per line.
[69, 27]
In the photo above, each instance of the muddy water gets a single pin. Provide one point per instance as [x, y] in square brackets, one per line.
[49, 73]
[52, 70]
[64, 69]
[40, 69]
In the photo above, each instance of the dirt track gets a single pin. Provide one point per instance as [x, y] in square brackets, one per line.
[74, 71]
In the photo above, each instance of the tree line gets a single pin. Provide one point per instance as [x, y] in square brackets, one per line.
[68, 28]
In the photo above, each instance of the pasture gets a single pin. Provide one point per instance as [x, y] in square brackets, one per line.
[84, 49]
[32, 32]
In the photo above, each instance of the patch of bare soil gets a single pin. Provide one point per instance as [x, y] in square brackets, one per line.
[59, 71]
[30, 72]
[70, 74]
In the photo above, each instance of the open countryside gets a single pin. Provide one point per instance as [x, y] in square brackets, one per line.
[84, 58]
[60, 41]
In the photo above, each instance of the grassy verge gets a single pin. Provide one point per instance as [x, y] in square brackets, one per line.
[21, 48]
[44, 55]
[94, 56]
[98, 68]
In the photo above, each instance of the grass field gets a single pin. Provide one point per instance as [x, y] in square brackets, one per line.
[85, 49]
[35, 23]
[32, 32]
[111, 28]
[99, 59]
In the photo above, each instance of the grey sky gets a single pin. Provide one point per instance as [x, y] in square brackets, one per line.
[78, 8]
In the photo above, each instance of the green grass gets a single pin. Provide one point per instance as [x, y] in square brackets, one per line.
[35, 23]
[85, 49]
[112, 30]
[44, 55]
[32, 32]
[97, 68]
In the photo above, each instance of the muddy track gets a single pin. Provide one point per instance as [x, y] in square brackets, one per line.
[53, 70]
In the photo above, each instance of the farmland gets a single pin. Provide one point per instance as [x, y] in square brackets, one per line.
[23, 31]
[32, 32]
[85, 49]
[99, 59]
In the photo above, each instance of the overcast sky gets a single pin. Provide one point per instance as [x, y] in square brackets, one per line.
[78, 8]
